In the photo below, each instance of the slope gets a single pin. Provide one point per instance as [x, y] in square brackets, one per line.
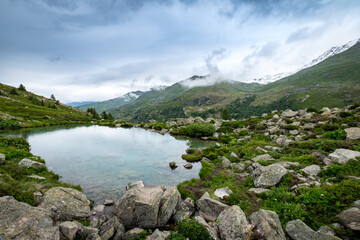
[25, 109]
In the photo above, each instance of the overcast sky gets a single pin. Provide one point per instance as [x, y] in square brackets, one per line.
[82, 50]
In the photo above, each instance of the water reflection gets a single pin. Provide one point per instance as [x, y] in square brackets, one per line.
[104, 160]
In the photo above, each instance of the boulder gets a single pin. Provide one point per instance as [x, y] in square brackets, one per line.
[273, 130]
[158, 235]
[209, 209]
[137, 184]
[264, 157]
[199, 120]
[69, 229]
[239, 166]
[342, 155]
[258, 190]
[312, 170]
[66, 203]
[288, 113]
[283, 141]
[30, 163]
[266, 177]
[225, 162]
[99, 208]
[268, 224]
[188, 165]
[326, 230]
[287, 164]
[350, 218]
[108, 202]
[147, 207]
[184, 209]
[352, 133]
[232, 224]
[222, 192]
[110, 228]
[298, 230]
[2, 158]
[213, 234]
[234, 155]
[21, 221]
[132, 234]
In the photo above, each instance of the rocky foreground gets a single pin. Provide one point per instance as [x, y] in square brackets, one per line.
[302, 155]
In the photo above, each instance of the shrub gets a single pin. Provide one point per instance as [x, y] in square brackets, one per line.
[9, 124]
[312, 110]
[14, 92]
[198, 130]
[193, 155]
[337, 172]
[345, 114]
[339, 134]
[206, 170]
[210, 152]
[188, 228]
[22, 87]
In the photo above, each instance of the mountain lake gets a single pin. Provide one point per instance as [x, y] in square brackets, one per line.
[103, 160]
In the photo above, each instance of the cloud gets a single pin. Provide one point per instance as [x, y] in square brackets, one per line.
[118, 46]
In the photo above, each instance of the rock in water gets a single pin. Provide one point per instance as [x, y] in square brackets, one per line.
[147, 207]
[233, 224]
[21, 221]
[66, 203]
[265, 177]
[210, 208]
[268, 224]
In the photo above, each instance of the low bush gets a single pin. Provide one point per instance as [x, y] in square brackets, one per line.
[193, 155]
[198, 130]
[339, 134]
[189, 229]
[206, 170]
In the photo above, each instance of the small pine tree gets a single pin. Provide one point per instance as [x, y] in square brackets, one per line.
[53, 97]
[110, 116]
[14, 92]
[93, 112]
[22, 87]
[225, 114]
[104, 115]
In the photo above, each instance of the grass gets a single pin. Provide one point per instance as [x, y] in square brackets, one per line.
[15, 180]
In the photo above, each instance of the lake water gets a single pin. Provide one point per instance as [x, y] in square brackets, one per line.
[104, 160]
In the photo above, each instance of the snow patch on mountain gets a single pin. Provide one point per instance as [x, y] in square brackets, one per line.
[331, 52]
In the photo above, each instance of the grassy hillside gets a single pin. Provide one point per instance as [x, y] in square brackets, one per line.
[20, 108]
[112, 103]
[334, 82]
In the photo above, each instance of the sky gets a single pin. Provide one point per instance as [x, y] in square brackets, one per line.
[94, 50]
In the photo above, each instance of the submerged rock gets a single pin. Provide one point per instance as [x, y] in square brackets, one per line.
[66, 203]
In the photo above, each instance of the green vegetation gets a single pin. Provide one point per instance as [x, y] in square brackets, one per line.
[189, 229]
[20, 108]
[198, 130]
[192, 155]
[17, 181]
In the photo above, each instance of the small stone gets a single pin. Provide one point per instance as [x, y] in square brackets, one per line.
[108, 202]
[69, 229]
[36, 177]
[2, 158]
[234, 155]
[222, 192]
[264, 157]
[225, 162]
[258, 190]
[313, 170]
[326, 230]
[99, 208]
[188, 166]
[132, 234]
[30, 163]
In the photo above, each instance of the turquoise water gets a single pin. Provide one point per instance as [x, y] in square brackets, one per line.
[104, 160]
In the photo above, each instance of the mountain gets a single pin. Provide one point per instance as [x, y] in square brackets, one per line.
[20, 107]
[331, 52]
[78, 104]
[112, 103]
[333, 80]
